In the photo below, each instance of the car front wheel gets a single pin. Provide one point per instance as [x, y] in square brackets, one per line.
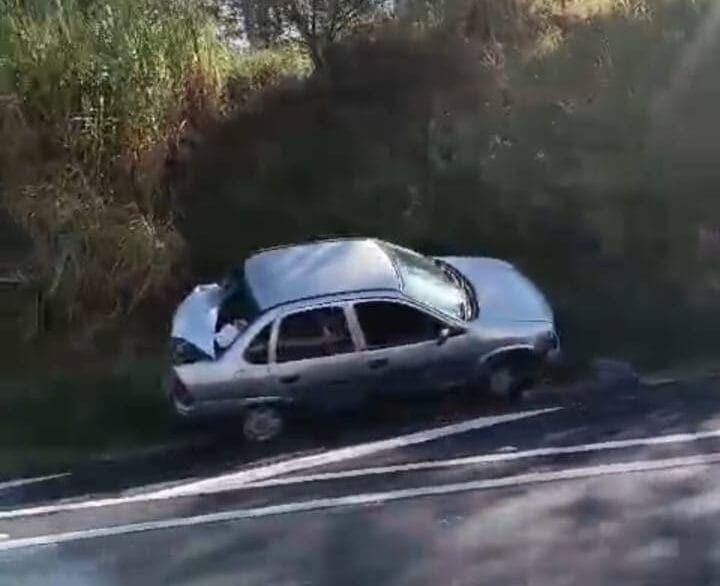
[262, 423]
[511, 377]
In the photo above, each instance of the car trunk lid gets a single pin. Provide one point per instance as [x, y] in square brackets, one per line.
[196, 317]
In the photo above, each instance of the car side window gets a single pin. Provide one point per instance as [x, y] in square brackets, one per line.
[257, 350]
[314, 333]
[387, 324]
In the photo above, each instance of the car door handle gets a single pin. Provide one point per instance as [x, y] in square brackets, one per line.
[378, 363]
[290, 379]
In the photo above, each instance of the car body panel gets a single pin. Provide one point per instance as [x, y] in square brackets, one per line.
[396, 371]
[422, 367]
[513, 316]
[503, 293]
[230, 376]
[196, 316]
[326, 382]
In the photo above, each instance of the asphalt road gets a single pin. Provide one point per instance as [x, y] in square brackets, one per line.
[620, 485]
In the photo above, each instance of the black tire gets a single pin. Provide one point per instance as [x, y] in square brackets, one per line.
[263, 423]
[511, 375]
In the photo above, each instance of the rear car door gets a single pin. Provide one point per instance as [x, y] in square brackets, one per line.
[315, 361]
[403, 352]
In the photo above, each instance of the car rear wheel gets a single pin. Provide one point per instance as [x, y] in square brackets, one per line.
[262, 423]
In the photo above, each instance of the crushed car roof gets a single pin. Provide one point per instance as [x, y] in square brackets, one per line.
[282, 275]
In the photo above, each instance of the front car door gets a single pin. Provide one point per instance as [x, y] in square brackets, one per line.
[314, 361]
[241, 372]
[404, 353]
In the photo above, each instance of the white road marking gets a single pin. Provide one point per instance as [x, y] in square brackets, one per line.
[366, 499]
[24, 481]
[239, 479]
[503, 456]
[235, 480]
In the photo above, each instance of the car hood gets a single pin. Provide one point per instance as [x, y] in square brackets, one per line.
[502, 291]
[195, 318]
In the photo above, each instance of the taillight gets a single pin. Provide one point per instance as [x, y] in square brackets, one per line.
[183, 352]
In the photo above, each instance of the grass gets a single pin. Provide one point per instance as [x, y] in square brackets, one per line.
[45, 425]
[98, 101]
[254, 71]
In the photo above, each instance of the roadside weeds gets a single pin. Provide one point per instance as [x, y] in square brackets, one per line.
[47, 425]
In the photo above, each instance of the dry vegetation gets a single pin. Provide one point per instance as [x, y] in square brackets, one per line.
[133, 139]
[98, 96]
[141, 151]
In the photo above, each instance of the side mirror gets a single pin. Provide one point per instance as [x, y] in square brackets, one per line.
[448, 332]
[443, 336]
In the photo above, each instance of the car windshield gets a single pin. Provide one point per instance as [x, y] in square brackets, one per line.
[427, 281]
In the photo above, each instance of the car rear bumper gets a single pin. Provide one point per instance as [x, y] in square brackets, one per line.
[208, 409]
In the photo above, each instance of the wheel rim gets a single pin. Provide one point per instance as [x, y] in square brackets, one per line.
[501, 382]
[262, 424]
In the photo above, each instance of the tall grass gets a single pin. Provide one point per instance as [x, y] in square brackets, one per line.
[256, 70]
[95, 96]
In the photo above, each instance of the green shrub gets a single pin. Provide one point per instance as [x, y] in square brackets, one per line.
[546, 149]
[547, 157]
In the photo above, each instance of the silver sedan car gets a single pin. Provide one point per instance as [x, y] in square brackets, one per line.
[333, 324]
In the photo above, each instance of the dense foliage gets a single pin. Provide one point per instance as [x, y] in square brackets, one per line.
[146, 143]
